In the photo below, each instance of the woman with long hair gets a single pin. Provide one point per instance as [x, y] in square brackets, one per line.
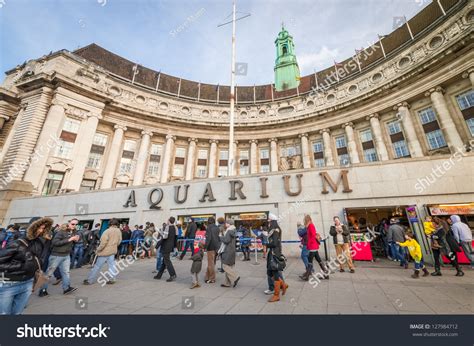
[19, 261]
[274, 250]
[313, 247]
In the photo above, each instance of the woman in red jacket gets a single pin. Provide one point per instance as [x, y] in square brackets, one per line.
[313, 247]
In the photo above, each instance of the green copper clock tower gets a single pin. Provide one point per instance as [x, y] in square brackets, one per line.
[287, 72]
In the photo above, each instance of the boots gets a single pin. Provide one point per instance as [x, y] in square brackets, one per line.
[325, 270]
[425, 272]
[284, 287]
[416, 274]
[459, 272]
[437, 272]
[306, 275]
[276, 294]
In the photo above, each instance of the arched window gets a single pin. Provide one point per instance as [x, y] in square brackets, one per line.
[285, 49]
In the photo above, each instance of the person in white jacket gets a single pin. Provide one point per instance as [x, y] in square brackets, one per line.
[463, 236]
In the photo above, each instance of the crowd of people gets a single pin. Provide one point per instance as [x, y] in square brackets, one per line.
[30, 258]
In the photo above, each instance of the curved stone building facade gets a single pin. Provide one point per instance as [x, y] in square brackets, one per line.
[75, 123]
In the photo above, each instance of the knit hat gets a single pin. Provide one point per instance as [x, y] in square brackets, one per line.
[272, 217]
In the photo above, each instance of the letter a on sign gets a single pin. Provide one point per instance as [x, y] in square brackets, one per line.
[208, 194]
[131, 200]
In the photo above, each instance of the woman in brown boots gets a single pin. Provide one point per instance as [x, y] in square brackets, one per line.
[275, 260]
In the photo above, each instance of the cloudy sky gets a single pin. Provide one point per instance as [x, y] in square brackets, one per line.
[181, 37]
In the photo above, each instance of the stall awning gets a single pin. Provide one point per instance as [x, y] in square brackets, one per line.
[452, 209]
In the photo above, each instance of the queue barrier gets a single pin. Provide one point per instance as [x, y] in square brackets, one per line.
[182, 241]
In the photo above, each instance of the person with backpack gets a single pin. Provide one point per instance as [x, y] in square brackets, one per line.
[19, 261]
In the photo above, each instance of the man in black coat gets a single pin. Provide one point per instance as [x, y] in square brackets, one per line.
[212, 245]
[190, 234]
[167, 247]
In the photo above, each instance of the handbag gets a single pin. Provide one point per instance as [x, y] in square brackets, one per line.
[40, 277]
[278, 263]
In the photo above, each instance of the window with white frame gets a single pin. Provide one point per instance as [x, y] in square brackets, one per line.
[67, 138]
[223, 162]
[399, 144]
[179, 162]
[433, 133]
[368, 146]
[243, 162]
[201, 170]
[128, 153]
[290, 150]
[156, 150]
[264, 160]
[97, 151]
[466, 104]
[342, 153]
[318, 154]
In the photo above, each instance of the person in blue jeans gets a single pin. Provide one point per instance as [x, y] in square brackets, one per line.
[19, 261]
[396, 234]
[60, 257]
[108, 247]
[78, 251]
[302, 233]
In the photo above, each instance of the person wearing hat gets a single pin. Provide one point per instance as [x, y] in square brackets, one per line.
[227, 251]
[274, 249]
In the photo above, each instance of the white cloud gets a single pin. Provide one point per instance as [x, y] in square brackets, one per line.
[317, 60]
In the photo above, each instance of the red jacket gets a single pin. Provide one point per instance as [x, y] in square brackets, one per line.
[312, 243]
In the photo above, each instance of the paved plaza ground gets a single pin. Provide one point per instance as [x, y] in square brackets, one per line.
[376, 288]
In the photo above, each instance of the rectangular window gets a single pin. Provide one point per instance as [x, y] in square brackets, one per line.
[201, 171]
[370, 155]
[466, 104]
[318, 154]
[179, 161]
[119, 184]
[71, 125]
[368, 146]
[466, 100]
[87, 185]
[436, 139]
[53, 182]
[67, 138]
[341, 146]
[128, 153]
[156, 151]
[290, 150]
[433, 133]
[244, 162]
[399, 145]
[341, 142]
[264, 160]
[64, 149]
[223, 162]
[97, 151]
[400, 149]
[427, 115]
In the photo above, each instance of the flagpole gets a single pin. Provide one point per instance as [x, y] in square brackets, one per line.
[337, 72]
[381, 46]
[232, 98]
[409, 29]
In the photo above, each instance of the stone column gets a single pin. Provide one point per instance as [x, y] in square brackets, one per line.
[305, 150]
[82, 149]
[113, 158]
[47, 142]
[409, 129]
[351, 144]
[213, 159]
[253, 156]
[142, 159]
[169, 147]
[469, 73]
[12, 132]
[327, 147]
[273, 154]
[378, 137]
[191, 158]
[453, 139]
